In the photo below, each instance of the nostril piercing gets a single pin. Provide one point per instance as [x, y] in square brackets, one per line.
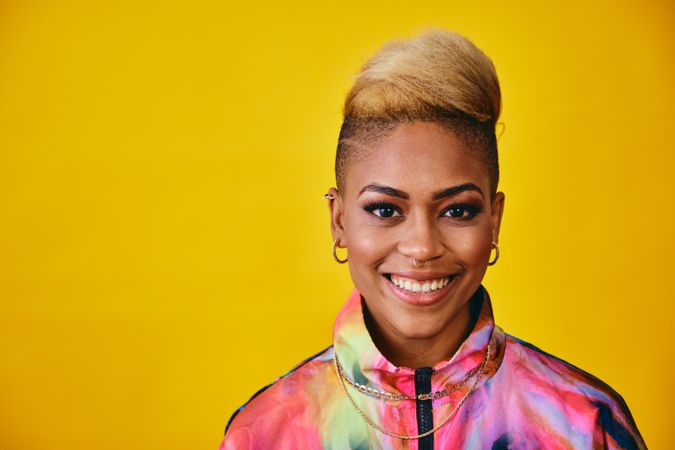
[419, 264]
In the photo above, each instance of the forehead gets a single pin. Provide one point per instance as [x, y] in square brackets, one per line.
[419, 158]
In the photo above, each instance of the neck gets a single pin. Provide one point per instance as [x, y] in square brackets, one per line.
[409, 352]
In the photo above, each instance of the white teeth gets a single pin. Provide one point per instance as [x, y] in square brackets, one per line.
[416, 286]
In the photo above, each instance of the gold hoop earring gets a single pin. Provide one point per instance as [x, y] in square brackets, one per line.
[496, 247]
[335, 256]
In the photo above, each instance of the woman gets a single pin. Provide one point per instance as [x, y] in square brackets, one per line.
[417, 360]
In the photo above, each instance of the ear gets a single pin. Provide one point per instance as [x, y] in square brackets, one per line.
[336, 209]
[497, 212]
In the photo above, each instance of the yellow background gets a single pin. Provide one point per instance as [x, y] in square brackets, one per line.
[165, 250]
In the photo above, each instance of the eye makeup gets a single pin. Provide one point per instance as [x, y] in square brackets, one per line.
[381, 209]
[472, 209]
[463, 211]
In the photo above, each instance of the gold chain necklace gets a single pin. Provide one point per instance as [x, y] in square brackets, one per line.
[370, 422]
[397, 397]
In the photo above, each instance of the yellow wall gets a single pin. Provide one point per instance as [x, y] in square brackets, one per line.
[164, 248]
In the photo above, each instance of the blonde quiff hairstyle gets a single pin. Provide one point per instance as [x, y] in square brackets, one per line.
[438, 76]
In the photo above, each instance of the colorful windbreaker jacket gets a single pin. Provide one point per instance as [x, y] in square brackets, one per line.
[524, 398]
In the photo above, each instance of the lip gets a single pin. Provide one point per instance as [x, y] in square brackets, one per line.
[421, 298]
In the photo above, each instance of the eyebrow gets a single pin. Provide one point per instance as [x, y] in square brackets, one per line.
[386, 190]
[456, 190]
[449, 192]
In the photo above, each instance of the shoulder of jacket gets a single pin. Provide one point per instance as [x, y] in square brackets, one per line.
[559, 372]
[575, 389]
[322, 356]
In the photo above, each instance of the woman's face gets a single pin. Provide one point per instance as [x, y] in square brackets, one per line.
[416, 194]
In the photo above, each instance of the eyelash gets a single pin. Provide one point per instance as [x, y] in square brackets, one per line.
[471, 209]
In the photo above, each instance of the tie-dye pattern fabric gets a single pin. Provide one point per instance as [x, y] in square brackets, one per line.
[525, 399]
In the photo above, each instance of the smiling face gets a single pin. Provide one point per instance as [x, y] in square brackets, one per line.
[417, 220]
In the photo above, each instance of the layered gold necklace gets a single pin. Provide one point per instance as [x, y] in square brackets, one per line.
[343, 378]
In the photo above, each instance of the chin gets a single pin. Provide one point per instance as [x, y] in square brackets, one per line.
[420, 328]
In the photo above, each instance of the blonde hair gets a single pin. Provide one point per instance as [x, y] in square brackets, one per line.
[438, 76]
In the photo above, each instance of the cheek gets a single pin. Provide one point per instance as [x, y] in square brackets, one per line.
[367, 246]
[366, 243]
[471, 245]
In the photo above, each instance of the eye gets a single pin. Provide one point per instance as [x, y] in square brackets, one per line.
[461, 211]
[383, 210]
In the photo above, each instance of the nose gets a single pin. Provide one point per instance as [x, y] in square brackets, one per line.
[421, 238]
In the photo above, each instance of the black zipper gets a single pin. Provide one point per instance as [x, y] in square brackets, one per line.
[425, 417]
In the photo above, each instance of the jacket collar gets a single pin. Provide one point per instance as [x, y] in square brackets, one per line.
[364, 364]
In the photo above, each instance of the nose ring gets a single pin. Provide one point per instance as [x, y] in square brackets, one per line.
[417, 264]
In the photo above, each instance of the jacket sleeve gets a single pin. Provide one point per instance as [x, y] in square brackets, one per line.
[615, 427]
